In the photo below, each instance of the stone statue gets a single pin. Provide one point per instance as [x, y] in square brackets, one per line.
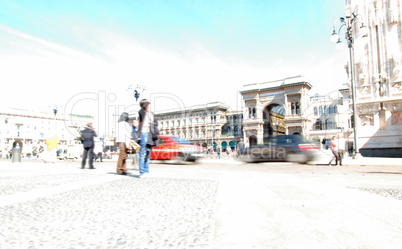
[366, 120]
[393, 11]
[363, 73]
[397, 68]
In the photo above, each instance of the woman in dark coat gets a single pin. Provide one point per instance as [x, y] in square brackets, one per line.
[148, 133]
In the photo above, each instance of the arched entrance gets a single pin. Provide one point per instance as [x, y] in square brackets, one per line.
[252, 140]
[224, 145]
[274, 120]
[232, 144]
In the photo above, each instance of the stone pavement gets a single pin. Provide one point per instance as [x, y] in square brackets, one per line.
[324, 156]
[205, 205]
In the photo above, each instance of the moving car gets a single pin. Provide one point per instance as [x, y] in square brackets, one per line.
[281, 148]
[176, 148]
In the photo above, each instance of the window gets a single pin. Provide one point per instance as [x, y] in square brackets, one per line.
[326, 110]
[335, 109]
[321, 110]
[293, 108]
[331, 109]
[315, 111]
[297, 108]
[329, 125]
[318, 125]
[161, 141]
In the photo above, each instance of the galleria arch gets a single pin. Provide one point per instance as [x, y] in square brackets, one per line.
[274, 107]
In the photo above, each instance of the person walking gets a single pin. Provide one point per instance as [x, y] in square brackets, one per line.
[135, 141]
[87, 139]
[334, 148]
[98, 150]
[229, 151]
[123, 142]
[341, 149]
[218, 152]
[148, 133]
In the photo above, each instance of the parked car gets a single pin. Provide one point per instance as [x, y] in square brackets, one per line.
[281, 148]
[176, 148]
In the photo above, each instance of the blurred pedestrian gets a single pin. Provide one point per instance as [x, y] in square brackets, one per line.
[334, 148]
[341, 149]
[51, 154]
[98, 150]
[35, 152]
[218, 152]
[229, 151]
[87, 140]
[148, 133]
[123, 141]
[135, 145]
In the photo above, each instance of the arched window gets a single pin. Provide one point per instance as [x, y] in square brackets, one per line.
[321, 110]
[326, 110]
[331, 109]
[335, 109]
[315, 111]
[318, 125]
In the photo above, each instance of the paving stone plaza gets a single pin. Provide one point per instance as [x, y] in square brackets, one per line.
[213, 204]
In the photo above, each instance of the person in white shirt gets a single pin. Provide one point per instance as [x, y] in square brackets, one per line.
[123, 137]
[341, 148]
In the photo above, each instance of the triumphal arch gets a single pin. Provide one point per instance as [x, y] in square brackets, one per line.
[274, 108]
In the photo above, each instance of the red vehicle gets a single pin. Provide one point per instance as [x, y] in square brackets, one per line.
[176, 148]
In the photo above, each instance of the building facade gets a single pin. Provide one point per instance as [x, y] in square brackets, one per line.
[32, 128]
[212, 124]
[275, 107]
[376, 73]
[331, 115]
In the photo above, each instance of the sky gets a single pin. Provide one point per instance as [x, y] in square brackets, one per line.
[82, 55]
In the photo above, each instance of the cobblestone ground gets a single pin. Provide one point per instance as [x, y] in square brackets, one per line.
[393, 193]
[124, 213]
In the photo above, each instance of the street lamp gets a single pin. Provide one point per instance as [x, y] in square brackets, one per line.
[348, 23]
[136, 91]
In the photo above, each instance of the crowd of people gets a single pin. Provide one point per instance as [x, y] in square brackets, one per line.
[137, 138]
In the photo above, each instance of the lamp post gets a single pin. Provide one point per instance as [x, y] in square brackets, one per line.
[136, 91]
[348, 24]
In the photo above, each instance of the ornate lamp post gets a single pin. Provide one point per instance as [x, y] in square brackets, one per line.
[136, 91]
[349, 23]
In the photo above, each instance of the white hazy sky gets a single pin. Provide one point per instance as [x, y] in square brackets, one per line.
[63, 52]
